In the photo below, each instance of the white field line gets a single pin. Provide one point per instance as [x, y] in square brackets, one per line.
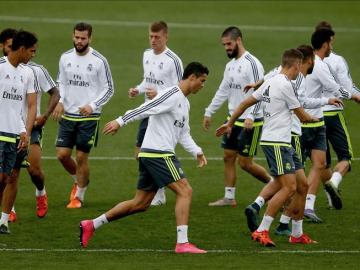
[138, 250]
[172, 25]
[180, 158]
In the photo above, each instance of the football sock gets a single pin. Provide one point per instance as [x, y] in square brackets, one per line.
[284, 219]
[13, 209]
[310, 201]
[182, 234]
[265, 223]
[258, 203]
[4, 218]
[336, 179]
[99, 221]
[40, 192]
[230, 193]
[80, 193]
[297, 229]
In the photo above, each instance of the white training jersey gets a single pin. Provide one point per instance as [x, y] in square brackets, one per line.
[238, 72]
[161, 71]
[168, 122]
[45, 82]
[15, 84]
[340, 70]
[84, 80]
[300, 91]
[279, 98]
[320, 83]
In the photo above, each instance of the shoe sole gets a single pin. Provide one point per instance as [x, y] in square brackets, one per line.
[334, 195]
[251, 219]
[81, 234]
[313, 219]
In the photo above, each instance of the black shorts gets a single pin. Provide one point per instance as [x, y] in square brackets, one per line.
[157, 170]
[242, 140]
[80, 133]
[338, 136]
[297, 157]
[36, 136]
[7, 156]
[280, 158]
[141, 132]
[313, 138]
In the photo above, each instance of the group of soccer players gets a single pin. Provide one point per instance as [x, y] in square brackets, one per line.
[295, 111]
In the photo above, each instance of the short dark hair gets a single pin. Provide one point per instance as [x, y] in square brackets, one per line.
[195, 68]
[6, 34]
[321, 36]
[83, 26]
[323, 24]
[290, 57]
[158, 26]
[232, 31]
[307, 51]
[23, 38]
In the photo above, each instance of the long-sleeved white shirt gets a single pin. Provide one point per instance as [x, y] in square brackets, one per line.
[161, 71]
[320, 83]
[238, 73]
[84, 80]
[168, 122]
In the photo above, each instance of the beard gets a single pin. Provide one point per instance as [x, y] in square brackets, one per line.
[5, 53]
[234, 52]
[81, 50]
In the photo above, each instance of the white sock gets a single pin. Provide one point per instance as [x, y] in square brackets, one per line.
[260, 201]
[80, 193]
[310, 201]
[4, 218]
[230, 193]
[328, 198]
[99, 221]
[73, 176]
[40, 192]
[265, 223]
[161, 192]
[297, 228]
[285, 219]
[182, 234]
[336, 179]
[13, 209]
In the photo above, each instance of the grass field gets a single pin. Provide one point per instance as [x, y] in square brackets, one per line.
[146, 241]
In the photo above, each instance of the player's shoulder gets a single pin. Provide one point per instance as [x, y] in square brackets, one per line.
[98, 56]
[68, 53]
[251, 59]
[171, 55]
[2, 60]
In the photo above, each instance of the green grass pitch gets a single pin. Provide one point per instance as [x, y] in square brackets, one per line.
[145, 241]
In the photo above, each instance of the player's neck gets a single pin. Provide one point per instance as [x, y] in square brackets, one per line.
[159, 51]
[184, 87]
[320, 53]
[84, 52]
[13, 59]
[241, 52]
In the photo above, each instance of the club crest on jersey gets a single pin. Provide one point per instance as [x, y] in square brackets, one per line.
[90, 67]
[7, 77]
[146, 62]
[68, 65]
[161, 65]
[21, 79]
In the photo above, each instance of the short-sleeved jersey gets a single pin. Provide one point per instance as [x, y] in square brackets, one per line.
[340, 70]
[238, 73]
[84, 80]
[45, 82]
[15, 84]
[321, 83]
[168, 122]
[279, 99]
[161, 71]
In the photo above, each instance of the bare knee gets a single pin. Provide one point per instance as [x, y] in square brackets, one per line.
[245, 164]
[63, 157]
[230, 158]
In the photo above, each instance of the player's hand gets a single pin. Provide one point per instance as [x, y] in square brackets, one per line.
[356, 98]
[111, 128]
[248, 124]
[23, 142]
[150, 93]
[206, 122]
[85, 110]
[201, 160]
[314, 119]
[133, 92]
[58, 112]
[223, 129]
[249, 87]
[335, 101]
[40, 121]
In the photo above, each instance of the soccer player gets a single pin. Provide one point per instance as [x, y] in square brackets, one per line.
[279, 100]
[158, 166]
[252, 211]
[47, 85]
[313, 140]
[85, 85]
[17, 104]
[162, 69]
[243, 68]
[336, 131]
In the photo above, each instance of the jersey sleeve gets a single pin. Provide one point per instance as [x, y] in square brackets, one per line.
[177, 70]
[329, 83]
[160, 104]
[61, 80]
[188, 142]
[305, 101]
[290, 97]
[32, 85]
[46, 83]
